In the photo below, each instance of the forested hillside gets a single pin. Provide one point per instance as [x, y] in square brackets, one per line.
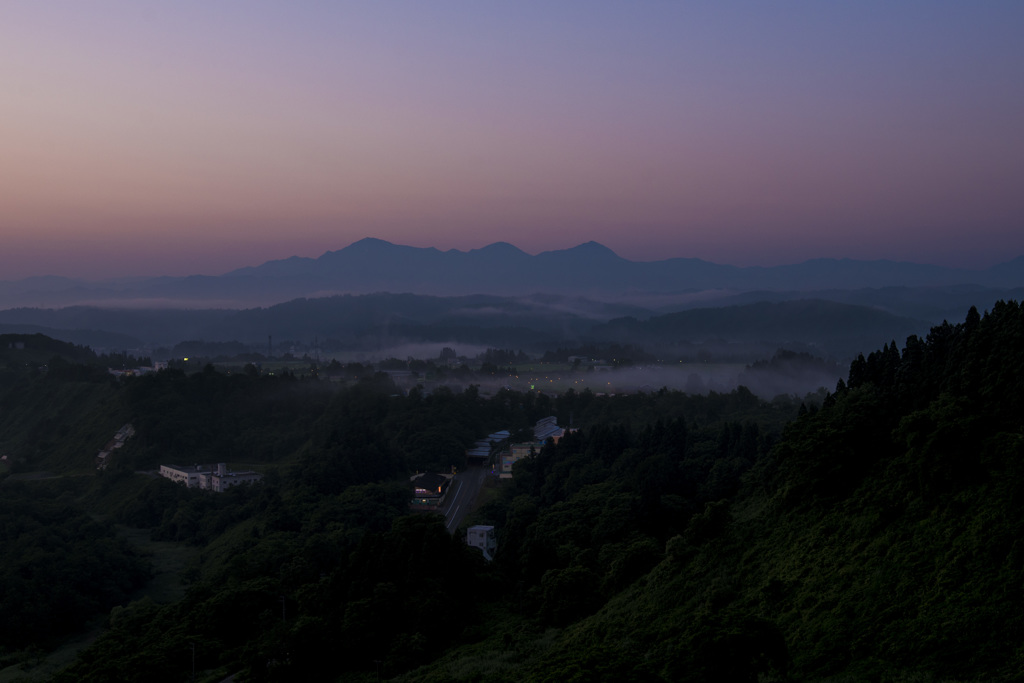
[879, 539]
[59, 568]
[672, 537]
[321, 568]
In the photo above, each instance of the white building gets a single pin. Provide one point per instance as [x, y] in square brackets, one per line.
[209, 477]
[185, 474]
[221, 480]
[482, 537]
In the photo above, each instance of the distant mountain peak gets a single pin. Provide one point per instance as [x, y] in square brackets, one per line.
[588, 250]
[368, 243]
[373, 247]
[502, 249]
[591, 246]
[588, 269]
[496, 246]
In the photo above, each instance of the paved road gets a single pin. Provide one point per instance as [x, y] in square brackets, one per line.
[462, 493]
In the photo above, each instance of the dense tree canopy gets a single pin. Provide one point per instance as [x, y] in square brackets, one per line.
[671, 537]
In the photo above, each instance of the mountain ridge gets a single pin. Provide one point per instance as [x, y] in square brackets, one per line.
[502, 269]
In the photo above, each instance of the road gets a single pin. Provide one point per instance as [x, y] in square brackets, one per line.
[462, 493]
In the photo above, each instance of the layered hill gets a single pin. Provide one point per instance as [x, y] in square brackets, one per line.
[384, 322]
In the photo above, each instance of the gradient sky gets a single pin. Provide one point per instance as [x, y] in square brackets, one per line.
[149, 138]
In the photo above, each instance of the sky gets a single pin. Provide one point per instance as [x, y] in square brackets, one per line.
[155, 138]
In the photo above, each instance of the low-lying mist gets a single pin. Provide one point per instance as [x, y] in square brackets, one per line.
[690, 378]
[786, 372]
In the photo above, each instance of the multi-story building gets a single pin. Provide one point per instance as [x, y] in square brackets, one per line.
[184, 474]
[482, 537]
[209, 477]
[220, 479]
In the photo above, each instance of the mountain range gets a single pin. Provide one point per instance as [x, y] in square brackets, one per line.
[588, 270]
[373, 296]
